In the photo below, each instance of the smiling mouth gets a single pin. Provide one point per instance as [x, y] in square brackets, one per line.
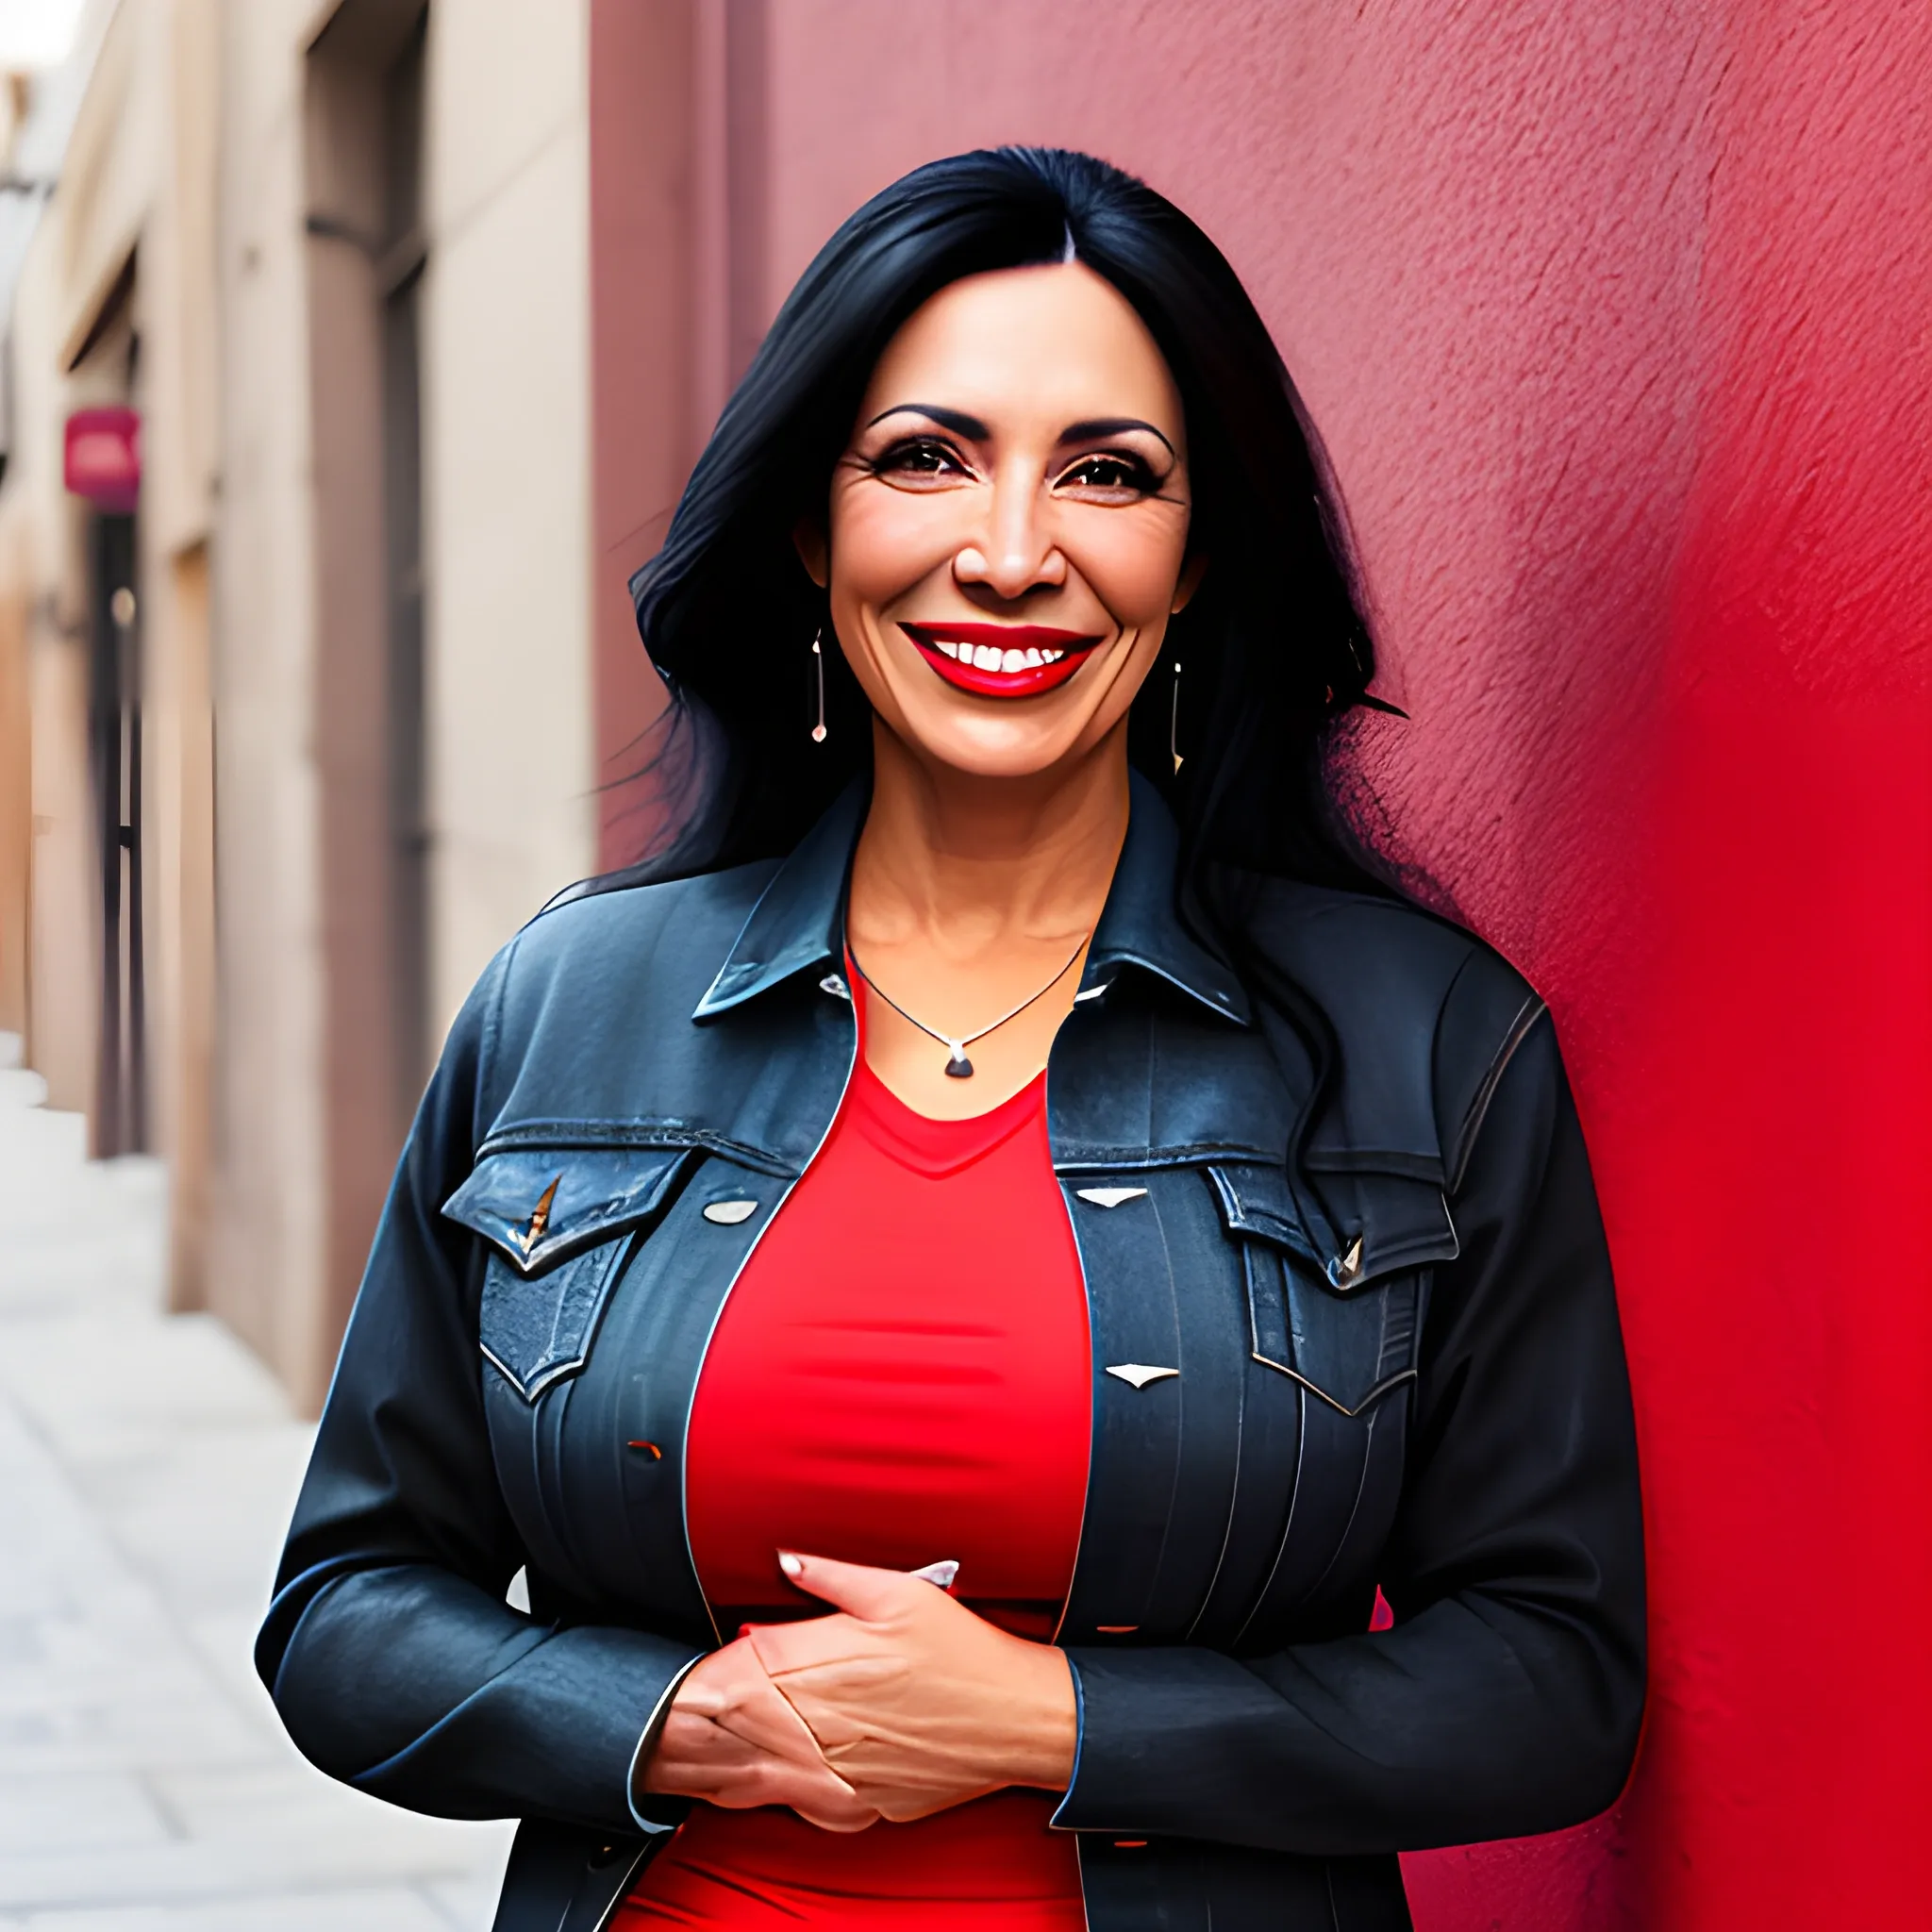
[1000, 661]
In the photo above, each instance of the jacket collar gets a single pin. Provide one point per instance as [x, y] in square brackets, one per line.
[796, 927]
[797, 924]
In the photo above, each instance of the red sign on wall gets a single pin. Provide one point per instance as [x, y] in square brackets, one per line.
[104, 457]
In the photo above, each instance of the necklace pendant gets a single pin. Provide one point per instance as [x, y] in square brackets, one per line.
[958, 1066]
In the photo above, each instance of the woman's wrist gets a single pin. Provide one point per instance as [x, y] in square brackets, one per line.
[1045, 1733]
[640, 1789]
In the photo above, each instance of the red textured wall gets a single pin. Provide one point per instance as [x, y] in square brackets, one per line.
[1614, 318]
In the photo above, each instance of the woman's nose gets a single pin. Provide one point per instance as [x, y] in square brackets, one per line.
[1016, 553]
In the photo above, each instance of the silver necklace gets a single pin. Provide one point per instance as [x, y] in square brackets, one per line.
[958, 1065]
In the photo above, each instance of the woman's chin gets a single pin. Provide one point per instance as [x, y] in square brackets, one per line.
[994, 751]
[996, 738]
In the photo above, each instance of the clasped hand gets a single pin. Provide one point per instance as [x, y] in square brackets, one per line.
[901, 1704]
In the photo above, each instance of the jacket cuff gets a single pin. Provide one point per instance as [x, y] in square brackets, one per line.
[562, 1720]
[1141, 1715]
[656, 1811]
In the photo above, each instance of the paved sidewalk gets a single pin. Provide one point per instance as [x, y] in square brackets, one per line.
[147, 1465]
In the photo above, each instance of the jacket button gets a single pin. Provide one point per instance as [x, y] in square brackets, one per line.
[1346, 1269]
[729, 1213]
[1109, 1197]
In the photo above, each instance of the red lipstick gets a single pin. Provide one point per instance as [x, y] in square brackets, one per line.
[1031, 658]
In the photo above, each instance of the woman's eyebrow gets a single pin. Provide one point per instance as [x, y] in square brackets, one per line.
[971, 427]
[1113, 425]
[973, 430]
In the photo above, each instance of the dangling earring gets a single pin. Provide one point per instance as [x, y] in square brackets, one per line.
[1173, 720]
[818, 665]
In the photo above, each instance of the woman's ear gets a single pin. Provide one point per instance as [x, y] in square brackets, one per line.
[808, 540]
[1189, 582]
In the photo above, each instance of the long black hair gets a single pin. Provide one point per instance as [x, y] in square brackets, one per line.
[1273, 645]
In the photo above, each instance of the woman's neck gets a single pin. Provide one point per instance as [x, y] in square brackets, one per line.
[966, 863]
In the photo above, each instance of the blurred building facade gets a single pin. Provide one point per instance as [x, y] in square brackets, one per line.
[294, 738]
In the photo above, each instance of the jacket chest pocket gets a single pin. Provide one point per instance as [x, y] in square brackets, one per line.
[1346, 1328]
[560, 1225]
[1344, 1333]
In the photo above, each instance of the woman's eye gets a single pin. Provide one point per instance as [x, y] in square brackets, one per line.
[1109, 473]
[918, 458]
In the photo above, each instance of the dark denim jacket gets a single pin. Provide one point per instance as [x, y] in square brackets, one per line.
[1398, 1364]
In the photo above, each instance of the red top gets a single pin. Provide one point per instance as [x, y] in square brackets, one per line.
[900, 1375]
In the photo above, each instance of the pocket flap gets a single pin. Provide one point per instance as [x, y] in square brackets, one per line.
[1256, 1201]
[537, 1205]
[1383, 1221]
[1401, 1222]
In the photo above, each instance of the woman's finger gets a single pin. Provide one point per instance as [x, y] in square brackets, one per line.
[842, 1643]
[732, 1689]
[697, 1758]
[927, 1704]
[856, 1588]
[885, 1617]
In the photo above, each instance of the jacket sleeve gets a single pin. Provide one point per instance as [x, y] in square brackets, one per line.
[1508, 1697]
[391, 1656]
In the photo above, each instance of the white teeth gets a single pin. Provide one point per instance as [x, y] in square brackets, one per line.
[992, 657]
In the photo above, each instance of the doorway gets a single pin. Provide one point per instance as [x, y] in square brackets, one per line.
[121, 1108]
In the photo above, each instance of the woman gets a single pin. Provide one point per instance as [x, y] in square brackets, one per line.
[959, 1280]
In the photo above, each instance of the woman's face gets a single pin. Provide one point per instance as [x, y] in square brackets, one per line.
[1009, 526]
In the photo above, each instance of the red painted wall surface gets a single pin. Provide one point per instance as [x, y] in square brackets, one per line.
[1614, 319]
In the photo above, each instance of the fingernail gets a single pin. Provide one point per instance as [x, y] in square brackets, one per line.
[793, 1566]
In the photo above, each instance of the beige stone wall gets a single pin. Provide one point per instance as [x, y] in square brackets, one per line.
[75, 261]
[181, 330]
[267, 1236]
[195, 150]
[16, 813]
[505, 376]
[137, 186]
[507, 390]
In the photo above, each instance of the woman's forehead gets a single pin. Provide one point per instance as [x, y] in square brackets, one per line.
[1053, 340]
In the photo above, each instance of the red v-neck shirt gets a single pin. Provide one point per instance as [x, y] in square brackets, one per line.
[901, 1375]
